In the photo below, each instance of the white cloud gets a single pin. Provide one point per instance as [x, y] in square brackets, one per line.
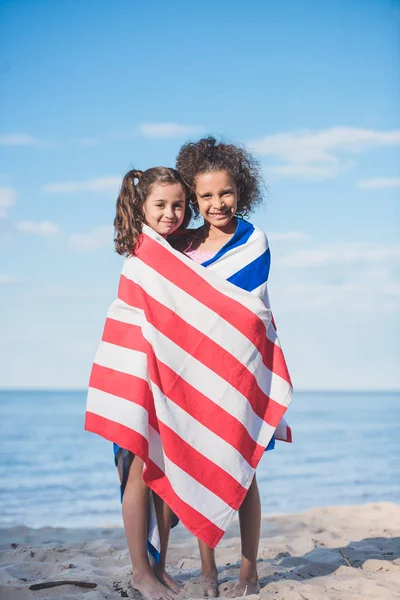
[99, 184]
[343, 277]
[323, 146]
[380, 183]
[167, 130]
[42, 228]
[8, 280]
[307, 172]
[340, 253]
[358, 295]
[7, 199]
[96, 239]
[18, 139]
[289, 236]
[320, 154]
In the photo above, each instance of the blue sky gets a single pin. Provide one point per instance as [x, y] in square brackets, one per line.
[91, 89]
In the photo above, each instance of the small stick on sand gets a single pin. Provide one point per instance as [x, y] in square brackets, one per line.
[346, 559]
[50, 584]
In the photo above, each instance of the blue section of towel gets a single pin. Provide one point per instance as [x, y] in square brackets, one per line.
[271, 445]
[244, 229]
[254, 274]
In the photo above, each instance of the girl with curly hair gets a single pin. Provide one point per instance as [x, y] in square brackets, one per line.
[156, 197]
[225, 186]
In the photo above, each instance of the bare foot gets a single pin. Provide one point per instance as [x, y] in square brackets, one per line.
[244, 587]
[150, 588]
[166, 579]
[210, 584]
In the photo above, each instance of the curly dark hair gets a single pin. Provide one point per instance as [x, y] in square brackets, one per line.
[209, 155]
[129, 216]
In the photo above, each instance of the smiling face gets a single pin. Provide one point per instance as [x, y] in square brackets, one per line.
[217, 197]
[164, 208]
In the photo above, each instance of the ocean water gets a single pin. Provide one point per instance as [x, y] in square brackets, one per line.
[346, 450]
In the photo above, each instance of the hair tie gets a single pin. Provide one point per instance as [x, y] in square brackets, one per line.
[136, 174]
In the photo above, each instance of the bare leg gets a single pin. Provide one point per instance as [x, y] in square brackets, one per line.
[164, 517]
[209, 572]
[135, 509]
[250, 525]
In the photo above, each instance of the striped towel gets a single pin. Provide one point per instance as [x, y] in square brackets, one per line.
[245, 261]
[190, 376]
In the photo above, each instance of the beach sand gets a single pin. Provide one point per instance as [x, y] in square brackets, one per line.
[336, 553]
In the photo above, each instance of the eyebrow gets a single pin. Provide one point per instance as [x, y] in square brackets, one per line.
[163, 200]
[223, 191]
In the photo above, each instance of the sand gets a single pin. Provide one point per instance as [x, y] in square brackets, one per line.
[337, 553]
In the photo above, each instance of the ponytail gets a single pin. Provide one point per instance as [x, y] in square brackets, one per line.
[129, 214]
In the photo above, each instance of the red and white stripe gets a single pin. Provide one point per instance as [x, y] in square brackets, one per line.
[189, 376]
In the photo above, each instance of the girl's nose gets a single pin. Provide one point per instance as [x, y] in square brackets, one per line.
[169, 213]
[216, 202]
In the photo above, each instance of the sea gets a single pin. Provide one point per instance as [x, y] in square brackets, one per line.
[345, 450]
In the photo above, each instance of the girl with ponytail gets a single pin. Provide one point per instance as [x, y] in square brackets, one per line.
[158, 198]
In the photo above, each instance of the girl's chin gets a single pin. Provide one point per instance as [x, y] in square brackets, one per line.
[166, 229]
